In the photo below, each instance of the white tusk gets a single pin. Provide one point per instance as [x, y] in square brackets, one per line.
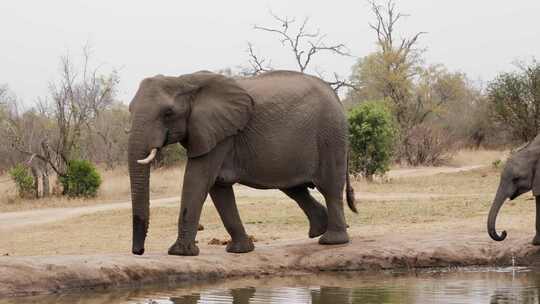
[150, 158]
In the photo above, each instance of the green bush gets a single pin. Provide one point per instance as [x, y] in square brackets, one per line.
[372, 133]
[24, 181]
[81, 179]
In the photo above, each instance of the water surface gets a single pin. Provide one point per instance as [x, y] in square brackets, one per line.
[469, 285]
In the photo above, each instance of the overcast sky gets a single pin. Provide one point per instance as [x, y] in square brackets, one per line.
[144, 38]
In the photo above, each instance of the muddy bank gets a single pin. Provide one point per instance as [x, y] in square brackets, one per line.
[20, 276]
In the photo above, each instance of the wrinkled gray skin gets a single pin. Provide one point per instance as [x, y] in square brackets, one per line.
[280, 130]
[521, 174]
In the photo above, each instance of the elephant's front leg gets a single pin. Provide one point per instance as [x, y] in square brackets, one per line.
[199, 177]
[536, 240]
[194, 193]
[223, 198]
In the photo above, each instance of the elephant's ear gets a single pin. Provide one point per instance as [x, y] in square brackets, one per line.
[220, 109]
[536, 179]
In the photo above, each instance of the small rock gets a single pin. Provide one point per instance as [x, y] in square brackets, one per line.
[218, 242]
[200, 228]
[6, 254]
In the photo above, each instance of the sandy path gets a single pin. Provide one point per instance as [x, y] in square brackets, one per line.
[14, 220]
[428, 171]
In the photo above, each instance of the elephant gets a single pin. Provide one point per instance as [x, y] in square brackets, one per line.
[520, 174]
[279, 130]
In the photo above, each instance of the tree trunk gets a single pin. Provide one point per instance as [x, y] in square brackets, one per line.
[35, 175]
[45, 183]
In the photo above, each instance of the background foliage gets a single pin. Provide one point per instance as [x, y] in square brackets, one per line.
[23, 180]
[371, 135]
[81, 179]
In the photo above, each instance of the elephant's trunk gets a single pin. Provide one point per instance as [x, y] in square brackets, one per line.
[139, 175]
[492, 217]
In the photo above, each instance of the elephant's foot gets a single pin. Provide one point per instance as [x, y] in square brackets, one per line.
[182, 248]
[242, 246]
[318, 223]
[331, 237]
[536, 240]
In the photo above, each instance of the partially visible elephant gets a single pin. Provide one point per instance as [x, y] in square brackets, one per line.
[279, 130]
[520, 174]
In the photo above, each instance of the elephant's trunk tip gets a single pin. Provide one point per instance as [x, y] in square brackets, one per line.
[499, 200]
[496, 237]
[138, 251]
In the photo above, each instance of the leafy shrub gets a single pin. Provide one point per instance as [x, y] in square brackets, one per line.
[428, 145]
[81, 179]
[515, 100]
[372, 134]
[24, 181]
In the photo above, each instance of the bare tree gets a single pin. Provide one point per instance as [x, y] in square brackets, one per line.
[77, 99]
[257, 63]
[399, 59]
[22, 135]
[52, 133]
[112, 140]
[304, 45]
[8, 111]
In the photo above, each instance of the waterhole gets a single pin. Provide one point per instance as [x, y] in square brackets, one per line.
[465, 285]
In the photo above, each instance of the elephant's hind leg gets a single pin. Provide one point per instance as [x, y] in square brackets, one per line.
[223, 198]
[315, 211]
[336, 232]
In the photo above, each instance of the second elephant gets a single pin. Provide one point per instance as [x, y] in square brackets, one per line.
[520, 174]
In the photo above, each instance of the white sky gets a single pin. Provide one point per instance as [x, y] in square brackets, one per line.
[144, 38]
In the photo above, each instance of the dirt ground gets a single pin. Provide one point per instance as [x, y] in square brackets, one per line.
[416, 217]
[434, 201]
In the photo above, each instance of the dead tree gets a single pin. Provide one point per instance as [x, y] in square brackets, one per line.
[398, 57]
[304, 45]
[257, 64]
[53, 133]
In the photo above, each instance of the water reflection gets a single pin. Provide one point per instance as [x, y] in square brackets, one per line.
[457, 286]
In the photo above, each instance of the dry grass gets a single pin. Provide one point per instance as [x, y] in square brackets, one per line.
[469, 157]
[115, 187]
[269, 220]
[272, 219]
[483, 180]
[167, 182]
[461, 205]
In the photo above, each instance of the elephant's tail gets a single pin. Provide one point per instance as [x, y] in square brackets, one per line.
[349, 191]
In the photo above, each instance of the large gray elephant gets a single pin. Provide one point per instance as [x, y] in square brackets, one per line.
[280, 130]
[520, 174]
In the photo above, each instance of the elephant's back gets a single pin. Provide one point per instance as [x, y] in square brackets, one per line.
[287, 93]
[293, 101]
[295, 116]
